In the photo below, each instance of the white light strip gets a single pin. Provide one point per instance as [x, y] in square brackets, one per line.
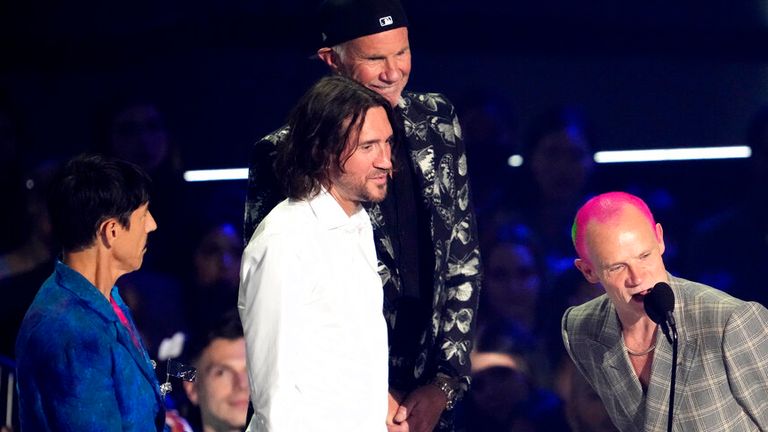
[675, 154]
[216, 174]
[616, 156]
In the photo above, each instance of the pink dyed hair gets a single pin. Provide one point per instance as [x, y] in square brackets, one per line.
[603, 208]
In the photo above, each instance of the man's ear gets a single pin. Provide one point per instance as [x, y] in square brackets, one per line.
[586, 269]
[660, 238]
[191, 389]
[108, 232]
[330, 58]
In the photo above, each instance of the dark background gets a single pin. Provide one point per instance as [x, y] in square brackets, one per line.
[647, 74]
[650, 74]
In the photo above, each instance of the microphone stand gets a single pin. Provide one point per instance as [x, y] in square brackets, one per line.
[672, 338]
[659, 306]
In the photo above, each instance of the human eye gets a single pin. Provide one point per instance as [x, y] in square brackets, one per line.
[218, 371]
[615, 268]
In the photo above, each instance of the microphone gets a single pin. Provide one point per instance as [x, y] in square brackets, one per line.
[659, 304]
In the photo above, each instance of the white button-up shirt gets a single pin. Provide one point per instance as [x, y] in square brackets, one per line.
[311, 305]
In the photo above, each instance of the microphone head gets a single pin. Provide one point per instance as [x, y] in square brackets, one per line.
[659, 302]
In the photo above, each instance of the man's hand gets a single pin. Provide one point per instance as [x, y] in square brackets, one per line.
[422, 409]
[395, 398]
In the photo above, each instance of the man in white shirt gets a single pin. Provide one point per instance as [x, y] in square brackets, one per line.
[310, 294]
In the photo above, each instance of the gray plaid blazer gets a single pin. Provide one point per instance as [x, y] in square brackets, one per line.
[722, 372]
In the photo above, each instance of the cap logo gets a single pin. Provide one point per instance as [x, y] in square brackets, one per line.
[385, 21]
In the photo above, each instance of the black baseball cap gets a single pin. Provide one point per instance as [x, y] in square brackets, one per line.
[344, 20]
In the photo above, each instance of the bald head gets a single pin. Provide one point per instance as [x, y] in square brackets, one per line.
[605, 208]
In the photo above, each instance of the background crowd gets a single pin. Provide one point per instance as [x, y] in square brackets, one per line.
[192, 89]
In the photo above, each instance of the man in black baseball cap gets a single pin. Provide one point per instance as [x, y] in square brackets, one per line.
[425, 230]
[344, 20]
[367, 40]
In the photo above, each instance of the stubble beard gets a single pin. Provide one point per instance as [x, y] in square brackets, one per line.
[369, 196]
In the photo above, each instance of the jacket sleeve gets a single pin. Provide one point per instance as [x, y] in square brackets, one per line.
[75, 382]
[463, 274]
[745, 348]
[263, 192]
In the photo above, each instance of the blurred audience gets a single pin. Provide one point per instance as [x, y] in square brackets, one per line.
[504, 395]
[24, 268]
[568, 289]
[514, 279]
[729, 249]
[11, 176]
[220, 393]
[489, 128]
[556, 173]
[215, 273]
[134, 129]
[585, 409]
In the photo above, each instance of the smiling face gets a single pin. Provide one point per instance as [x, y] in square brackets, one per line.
[221, 388]
[625, 256]
[381, 62]
[366, 163]
[131, 243]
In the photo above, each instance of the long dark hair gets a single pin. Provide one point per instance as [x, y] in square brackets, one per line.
[319, 127]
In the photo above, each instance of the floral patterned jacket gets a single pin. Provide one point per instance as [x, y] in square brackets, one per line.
[433, 137]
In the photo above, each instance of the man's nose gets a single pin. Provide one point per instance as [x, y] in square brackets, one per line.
[392, 72]
[635, 274]
[384, 158]
[241, 380]
[151, 223]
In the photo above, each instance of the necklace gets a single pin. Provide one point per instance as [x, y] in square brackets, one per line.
[640, 353]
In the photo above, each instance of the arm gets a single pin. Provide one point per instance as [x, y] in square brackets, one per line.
[455, 321]
[264, 191]
[745, 351]
[270, 302]
[74, 373]
[463, 276]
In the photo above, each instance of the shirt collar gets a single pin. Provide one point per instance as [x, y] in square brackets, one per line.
[332, 216]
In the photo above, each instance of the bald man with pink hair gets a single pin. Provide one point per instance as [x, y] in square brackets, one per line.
[722, 372]
[603, 208]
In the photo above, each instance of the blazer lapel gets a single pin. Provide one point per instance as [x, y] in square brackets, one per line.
[617, 369]
[661, 372]
[79, 286]
[139, 354]
[688, 350]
